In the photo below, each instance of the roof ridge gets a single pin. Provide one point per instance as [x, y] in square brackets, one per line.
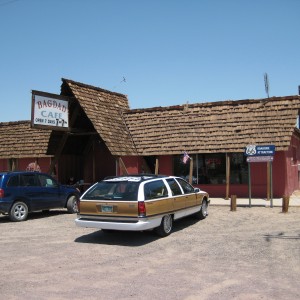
[15, 122]
[211, 104]
[92, 87]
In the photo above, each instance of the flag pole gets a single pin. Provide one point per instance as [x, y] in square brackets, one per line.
[191, 171]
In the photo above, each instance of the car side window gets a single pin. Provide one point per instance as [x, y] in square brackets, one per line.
[187, 188]
[174, 187]
[28, 180]
[155, 189]
[13, 181]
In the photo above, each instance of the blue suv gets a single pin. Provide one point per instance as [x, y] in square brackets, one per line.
[24, 192]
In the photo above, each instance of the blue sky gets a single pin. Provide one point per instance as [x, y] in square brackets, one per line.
[170, 52]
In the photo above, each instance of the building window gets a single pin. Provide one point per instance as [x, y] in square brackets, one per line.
[297, 125]
[211, 168]
[238, 168]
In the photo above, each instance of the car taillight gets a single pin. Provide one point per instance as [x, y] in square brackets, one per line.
[1, 193]
[142, 209]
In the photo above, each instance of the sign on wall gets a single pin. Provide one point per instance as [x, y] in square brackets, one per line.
[49, 111]
[263, 158]
[255, 150]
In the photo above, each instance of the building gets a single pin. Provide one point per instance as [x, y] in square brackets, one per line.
[23, 147]
[107, 138]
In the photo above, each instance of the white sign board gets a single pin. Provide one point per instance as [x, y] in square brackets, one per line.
[48, 110]
[260, 158]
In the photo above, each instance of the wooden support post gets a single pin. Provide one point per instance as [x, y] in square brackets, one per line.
[94, 162]
[233, 203]
[227, 175]
[13, 164]
[191, 171]
[156, 166]
[268, 181]
[285, 204]
[122, 166]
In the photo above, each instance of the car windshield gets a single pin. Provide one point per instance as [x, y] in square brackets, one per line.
[113, 190]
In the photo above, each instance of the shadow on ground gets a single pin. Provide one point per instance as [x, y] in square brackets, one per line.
[131, 238]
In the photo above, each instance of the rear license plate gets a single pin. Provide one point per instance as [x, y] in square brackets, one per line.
[106, 208]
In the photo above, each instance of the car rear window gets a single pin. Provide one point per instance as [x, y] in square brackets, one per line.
[174, 187]
[155, 189]
[113, 190]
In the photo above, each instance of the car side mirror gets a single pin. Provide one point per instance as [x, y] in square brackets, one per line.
[196, 190]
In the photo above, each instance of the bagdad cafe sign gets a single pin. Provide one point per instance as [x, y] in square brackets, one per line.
[49, 111]
[260, 153]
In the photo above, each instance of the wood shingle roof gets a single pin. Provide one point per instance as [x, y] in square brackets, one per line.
[216, 127]
[105, 110]
[18, 140]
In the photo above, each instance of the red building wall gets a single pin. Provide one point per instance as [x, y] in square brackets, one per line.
[292, 159]
[282, 183]
[3, 164]
[285, 174]
[165, 164]
[133, 165]
[22, 163]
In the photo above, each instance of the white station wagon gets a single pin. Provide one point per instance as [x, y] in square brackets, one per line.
[140, 202]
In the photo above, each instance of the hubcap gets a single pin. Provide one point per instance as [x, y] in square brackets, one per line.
[20, 211]
[167, 223]
[75, 207]
[204, 208]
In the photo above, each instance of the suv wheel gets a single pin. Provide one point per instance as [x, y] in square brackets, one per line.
[72, 205]
[18, 212]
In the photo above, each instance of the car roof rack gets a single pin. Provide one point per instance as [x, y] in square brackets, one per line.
[143, 176]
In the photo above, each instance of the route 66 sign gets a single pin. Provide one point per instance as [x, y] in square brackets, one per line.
[261, 150]
[250, 150]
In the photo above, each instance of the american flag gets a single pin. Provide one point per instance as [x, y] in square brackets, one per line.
[185, 157]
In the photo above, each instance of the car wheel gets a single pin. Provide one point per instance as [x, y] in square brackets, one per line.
[18, 212]
[203, 213]
[165, 226]
[72, 205]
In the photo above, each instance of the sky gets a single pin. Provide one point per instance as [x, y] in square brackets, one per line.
[157, 52]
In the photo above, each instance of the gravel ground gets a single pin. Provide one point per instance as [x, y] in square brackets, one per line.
[253, 253]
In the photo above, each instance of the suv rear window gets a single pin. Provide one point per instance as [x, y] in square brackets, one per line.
[13, 181]
[28, 180]
[113, 190]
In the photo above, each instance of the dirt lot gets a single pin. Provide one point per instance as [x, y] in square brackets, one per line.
[253, 253]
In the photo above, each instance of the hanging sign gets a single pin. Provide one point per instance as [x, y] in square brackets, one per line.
[260, 153]
[49, 111]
